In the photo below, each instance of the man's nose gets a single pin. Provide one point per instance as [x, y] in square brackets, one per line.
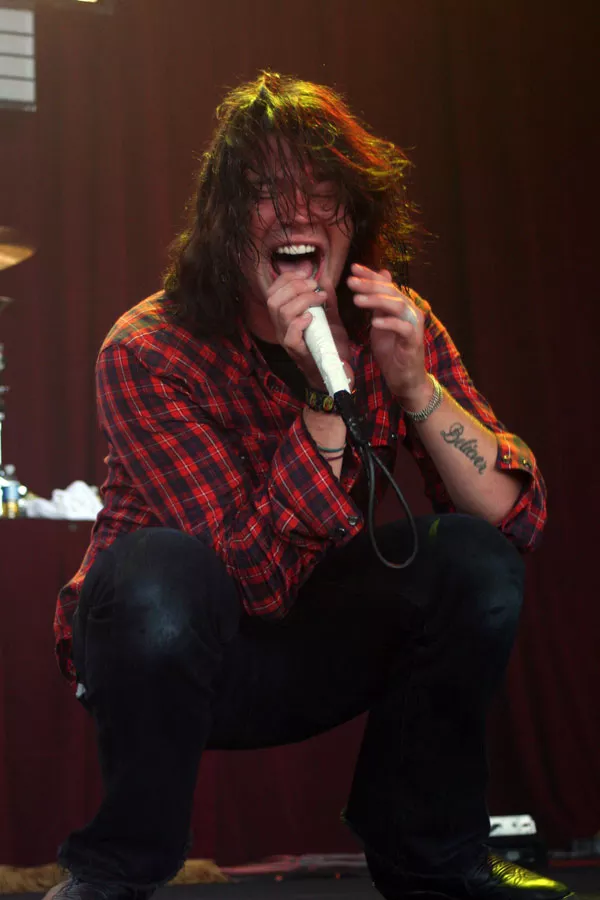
[301, 210]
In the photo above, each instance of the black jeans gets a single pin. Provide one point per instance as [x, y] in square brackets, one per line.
[171, 665]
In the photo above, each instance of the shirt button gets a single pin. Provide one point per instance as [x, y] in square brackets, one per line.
[352, 520]
[506, 457]
[526, 463]
[394, 436]
[340, 531]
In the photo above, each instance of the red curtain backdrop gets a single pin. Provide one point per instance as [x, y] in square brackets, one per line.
[496, 104]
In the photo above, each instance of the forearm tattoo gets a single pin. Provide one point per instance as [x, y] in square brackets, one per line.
[468, 447]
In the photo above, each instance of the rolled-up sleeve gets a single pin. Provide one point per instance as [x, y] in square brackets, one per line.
[524, 523]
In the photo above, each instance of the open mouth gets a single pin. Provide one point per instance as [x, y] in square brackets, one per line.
[303, 259]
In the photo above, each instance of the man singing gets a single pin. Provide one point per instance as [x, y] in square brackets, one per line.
[231, 596]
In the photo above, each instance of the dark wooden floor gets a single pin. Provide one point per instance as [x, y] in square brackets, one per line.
[585, 880]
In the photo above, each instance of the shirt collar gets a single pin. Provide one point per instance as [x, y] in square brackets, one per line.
[243, 357]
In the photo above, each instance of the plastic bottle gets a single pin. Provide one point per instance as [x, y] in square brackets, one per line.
[10, 493]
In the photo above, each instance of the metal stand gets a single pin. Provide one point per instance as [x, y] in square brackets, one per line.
[3, 390]
[13, 250]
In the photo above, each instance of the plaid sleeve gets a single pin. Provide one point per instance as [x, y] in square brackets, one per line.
[524, 524]
[193, 479]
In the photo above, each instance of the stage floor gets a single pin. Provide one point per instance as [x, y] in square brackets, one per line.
[584, 880]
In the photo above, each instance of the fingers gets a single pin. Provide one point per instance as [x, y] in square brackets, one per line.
[393, 323]
[360, 271]
[288, 300]
[369, 282]
[377, 291]
[376, 281]
[293, 338]
[285, 281]
[293, 297]
[364, 287]
[396, 305]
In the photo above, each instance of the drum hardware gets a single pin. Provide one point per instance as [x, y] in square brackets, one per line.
[13, 250]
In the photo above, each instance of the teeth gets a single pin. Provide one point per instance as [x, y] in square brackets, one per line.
[296, 249]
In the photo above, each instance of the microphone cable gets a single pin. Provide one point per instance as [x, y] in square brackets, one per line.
[345, 406]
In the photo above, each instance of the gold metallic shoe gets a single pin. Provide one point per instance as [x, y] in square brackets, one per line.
[530, 884]
[493, 879]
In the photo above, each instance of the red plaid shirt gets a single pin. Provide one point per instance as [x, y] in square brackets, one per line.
[204, 438]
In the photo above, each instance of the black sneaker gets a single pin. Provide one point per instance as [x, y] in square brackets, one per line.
[74, 889]
[494, 879]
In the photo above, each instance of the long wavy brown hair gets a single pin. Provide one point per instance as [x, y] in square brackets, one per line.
[268, 128]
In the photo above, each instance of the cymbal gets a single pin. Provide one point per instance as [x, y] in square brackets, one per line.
[13, 249]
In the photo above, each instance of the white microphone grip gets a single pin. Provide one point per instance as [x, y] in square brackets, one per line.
[319, 341]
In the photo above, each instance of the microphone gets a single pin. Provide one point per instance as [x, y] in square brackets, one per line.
[321, 345]
[319, 340]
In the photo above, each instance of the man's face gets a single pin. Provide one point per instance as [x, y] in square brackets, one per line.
[314, 242]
